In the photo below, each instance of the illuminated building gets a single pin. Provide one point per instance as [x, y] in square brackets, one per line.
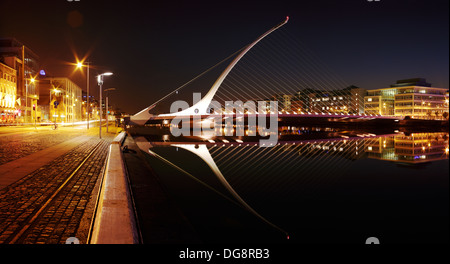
[412, 97]
[26, 63]
[284, 102]
[8, 84]
[348, 101]
[61, 100]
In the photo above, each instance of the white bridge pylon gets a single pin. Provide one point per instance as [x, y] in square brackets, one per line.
[202, 106]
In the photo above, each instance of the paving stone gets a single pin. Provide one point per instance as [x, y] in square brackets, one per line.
[61, 218]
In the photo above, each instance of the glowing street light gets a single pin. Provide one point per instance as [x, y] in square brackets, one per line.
[79, 66]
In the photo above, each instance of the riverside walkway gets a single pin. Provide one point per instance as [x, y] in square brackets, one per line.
[49, 182]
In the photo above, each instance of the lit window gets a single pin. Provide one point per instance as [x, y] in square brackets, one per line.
[369, 99]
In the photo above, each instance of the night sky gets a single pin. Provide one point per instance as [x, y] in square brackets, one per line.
[154, 47]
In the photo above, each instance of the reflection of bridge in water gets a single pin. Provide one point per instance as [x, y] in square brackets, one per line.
[295, 165]
[400, 147]
[237, 160]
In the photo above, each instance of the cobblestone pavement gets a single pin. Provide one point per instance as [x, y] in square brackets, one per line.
[36, 209]
[17, 145]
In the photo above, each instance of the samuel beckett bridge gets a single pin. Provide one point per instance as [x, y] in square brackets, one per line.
[271, 74]
[239, 165]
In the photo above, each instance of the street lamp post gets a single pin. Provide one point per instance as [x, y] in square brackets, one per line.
[80, 65]
[100, 83]
[26, 101]
[55, 104]
[34, 106]
[32, 81]
[107, 90]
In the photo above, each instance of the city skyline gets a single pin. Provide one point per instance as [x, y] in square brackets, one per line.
[367, 44]
[224, 130]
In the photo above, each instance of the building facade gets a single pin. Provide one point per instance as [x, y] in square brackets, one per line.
[61, 100]
[347, 101]
[8, 94]
[380, 102]
[284, 102]
[26, 63]
[413, 97]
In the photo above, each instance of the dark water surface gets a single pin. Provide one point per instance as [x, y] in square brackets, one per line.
[315, 188]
